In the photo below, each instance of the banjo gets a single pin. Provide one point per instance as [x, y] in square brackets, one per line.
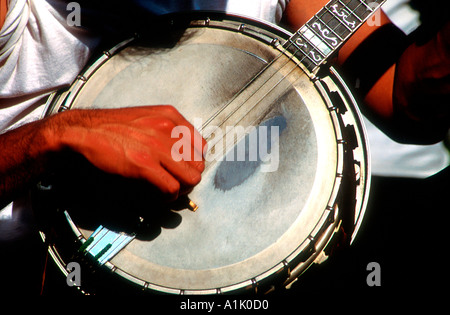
[262, 220]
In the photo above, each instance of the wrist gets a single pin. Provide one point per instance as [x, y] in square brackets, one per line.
[57, 131]
[49, 135]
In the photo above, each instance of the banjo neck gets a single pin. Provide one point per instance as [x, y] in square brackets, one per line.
[328, 29]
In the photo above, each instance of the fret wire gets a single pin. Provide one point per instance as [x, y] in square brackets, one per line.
[331, 12]
[361, 3]
[298, 49]
[346, 8]
[331, 47]
[313, 49]
[311, 43]
[308, 41]
[352, 12]
[366, 5]
[305, 55]
[331, 29]
[339, 24]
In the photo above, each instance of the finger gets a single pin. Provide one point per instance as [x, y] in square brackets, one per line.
[150, 170]
[163, 180]
[183, 149]
[183, 171]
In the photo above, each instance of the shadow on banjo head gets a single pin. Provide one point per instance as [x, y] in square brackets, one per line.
[236, 168]
[94, 198]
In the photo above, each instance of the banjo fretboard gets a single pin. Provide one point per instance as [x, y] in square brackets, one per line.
[327, 30]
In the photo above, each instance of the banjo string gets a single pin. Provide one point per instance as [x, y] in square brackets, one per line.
[264, 69]
[224, 135]
[208, 121]
[282, 53]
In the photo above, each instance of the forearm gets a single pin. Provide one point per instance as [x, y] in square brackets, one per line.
[421, 90]
[25, 155]
[134, 143]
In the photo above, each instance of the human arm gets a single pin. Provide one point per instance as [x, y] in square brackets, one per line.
[132, 142]
[25, 154]
[421, 88]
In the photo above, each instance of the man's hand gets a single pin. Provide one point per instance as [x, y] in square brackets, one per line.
[132, 142]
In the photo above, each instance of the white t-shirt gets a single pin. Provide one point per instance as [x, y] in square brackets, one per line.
[39, 53]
